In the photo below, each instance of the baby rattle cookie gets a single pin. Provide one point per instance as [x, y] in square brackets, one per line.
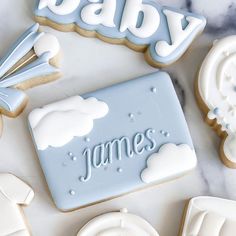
[162, 33]
[118, 223]
[14, 193]
[216, 95]
[208, 216]
[112, 141]
[32, 60]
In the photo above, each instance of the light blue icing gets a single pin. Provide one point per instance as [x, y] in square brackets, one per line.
[8, 99]
[19, 49]
[37, 68]
[162, 33]
[116, 142]
[11, 99]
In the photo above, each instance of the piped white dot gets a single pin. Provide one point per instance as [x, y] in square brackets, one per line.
[87, 139]
[131, 115]
[74, 158]
[124, 210]
[226, 53]
[119, 170]
[70, 154]
[72, 192]
[167, 134]
[153, 90]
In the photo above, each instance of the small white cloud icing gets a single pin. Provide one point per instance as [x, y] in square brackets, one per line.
[171, 160]
[57, 124]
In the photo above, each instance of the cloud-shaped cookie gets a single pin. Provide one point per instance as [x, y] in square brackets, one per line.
[57, 124]
[171, 159]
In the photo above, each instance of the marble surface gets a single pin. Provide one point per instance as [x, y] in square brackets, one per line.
[89, 64]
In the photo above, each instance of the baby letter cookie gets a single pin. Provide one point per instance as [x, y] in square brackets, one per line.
[208, 216]
[118, 223]
[112, 141]
[13, 194]
[29, 62]
[163, 33]
[216, 94]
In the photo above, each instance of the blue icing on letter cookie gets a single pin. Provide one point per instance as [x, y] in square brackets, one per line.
[91, 150]
[163, 33]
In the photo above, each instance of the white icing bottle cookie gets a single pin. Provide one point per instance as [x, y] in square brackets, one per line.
[14, 193]
[209, 216]
[30, 61]
[116, 224]
[216, 94]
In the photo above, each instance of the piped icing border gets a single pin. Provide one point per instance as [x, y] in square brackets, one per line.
[143, 25]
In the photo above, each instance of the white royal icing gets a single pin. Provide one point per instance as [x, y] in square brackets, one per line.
[47, 43]
[172, 159]
[106, 16]
[57, 124]
[208, 216]
[177, 33]
[117, 224]
[150, 23]
[13, 193]
[217, 87]
[163, 32]
[66, 6]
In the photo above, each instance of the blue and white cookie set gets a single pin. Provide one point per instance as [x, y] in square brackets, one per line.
[92, 148]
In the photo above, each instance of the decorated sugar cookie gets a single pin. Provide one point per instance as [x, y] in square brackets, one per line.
[216, 93]
[117, 224]
[112, 141]
[162, 33]
[30, 61]
[208, 216]
[14, 194]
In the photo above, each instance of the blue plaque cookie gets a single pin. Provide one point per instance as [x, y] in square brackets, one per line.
[112, 141]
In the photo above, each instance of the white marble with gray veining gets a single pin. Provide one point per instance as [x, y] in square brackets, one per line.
[90, 64]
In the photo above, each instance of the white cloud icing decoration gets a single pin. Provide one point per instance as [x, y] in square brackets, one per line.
[57, 124]
[171, 159]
